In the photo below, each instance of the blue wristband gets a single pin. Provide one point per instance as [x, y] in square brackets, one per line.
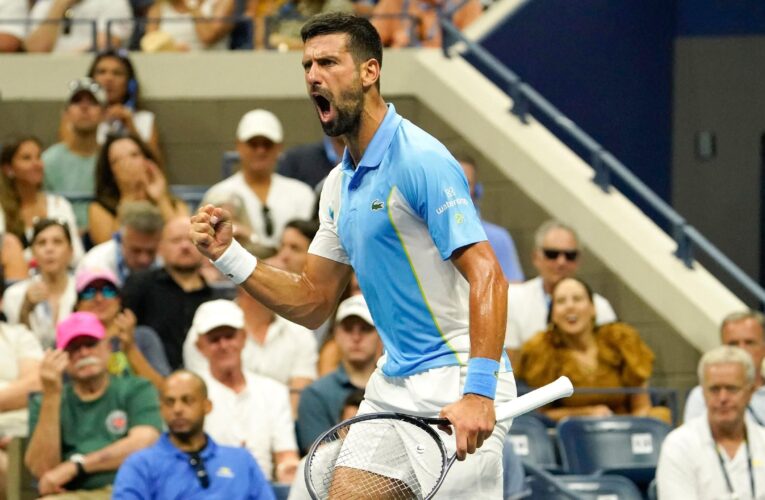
[481, 377]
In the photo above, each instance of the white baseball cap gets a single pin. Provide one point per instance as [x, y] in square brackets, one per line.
[216, 313]
[355, 305]
[259, 122]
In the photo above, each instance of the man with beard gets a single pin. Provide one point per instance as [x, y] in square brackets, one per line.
[186, 463]
[270, 200]
[166, 298]
[82, 430]
[398, 212]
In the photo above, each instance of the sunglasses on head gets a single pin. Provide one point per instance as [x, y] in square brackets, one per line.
[553, 254]
[268, 222]
[107, 292]
[195, 460]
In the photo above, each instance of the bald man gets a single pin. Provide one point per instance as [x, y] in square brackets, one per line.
[186, 462]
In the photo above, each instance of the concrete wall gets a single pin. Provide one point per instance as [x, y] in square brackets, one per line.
[719, 89]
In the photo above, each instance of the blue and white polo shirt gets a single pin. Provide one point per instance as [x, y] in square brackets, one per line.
[396, 219]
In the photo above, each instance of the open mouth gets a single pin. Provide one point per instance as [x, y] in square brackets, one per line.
[323, 106]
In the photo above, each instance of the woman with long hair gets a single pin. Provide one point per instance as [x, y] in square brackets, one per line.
[127, 170]
[22, 196]
[606, 356]
[41, 301]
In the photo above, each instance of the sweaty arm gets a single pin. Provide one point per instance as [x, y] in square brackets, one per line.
[473, 416]
[307, 298]
[488, 298]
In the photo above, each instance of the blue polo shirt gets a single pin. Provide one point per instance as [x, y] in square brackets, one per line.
[164, 472]
[397, 218]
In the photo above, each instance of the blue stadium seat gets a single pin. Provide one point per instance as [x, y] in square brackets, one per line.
[531, 442]
[229, 162]
[191, 194]
[600, 487]
[623, 445]
[541, 485]
[653, 494]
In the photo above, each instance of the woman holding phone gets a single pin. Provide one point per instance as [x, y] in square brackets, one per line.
[126, 170]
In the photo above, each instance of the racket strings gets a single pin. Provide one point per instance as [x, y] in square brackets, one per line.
[377, 459]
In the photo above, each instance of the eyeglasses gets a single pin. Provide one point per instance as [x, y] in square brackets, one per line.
[107, 292]
[553, 254]
[269, 223]
[195, 460]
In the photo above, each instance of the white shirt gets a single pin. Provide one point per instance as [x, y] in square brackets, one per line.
[13, 10]
[290, 351]
[695, 405]
[689, 467]
[288, 199]
[527, 311]
[41, 317]
[180, 26]
[257, 418]
[143, 121]
[80, 37]
[17, 343]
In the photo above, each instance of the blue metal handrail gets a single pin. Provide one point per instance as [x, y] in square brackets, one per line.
[525, 98]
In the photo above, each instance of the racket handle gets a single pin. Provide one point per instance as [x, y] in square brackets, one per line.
[530, 401]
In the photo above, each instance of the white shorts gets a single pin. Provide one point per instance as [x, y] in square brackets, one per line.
[425, 394]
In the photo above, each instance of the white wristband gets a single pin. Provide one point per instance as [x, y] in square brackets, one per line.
[236, 263]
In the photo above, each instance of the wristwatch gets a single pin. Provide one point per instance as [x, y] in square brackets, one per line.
[78, 459]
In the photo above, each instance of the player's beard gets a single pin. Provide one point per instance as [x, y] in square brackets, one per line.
[348, 108]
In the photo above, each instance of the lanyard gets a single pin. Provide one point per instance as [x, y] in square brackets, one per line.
[731, 491]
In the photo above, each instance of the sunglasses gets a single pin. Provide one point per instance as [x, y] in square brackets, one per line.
[553, 254]
[195, 460]
[107, 292]
[269, 223]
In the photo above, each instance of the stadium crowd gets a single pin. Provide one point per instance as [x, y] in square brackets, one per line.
[127, 360]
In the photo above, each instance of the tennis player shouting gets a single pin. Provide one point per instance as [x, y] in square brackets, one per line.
[397, 211]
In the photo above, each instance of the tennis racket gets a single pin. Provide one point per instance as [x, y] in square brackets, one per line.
[384, 456]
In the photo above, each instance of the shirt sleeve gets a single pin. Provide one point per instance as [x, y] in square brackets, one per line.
[674, 472]
[16, 10]
[132, 481]
[604, 313]
[326, 243]
[143, 405]
[436, 189]
[283, 435]
[26, 344]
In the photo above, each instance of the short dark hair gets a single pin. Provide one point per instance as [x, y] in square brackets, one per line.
[363, 39]
[307, 228]
[41, 225]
